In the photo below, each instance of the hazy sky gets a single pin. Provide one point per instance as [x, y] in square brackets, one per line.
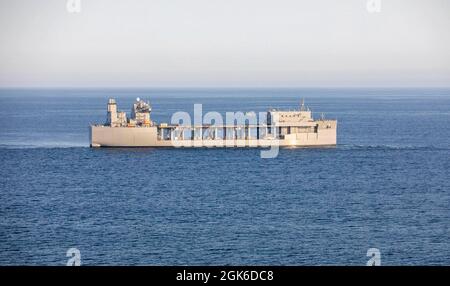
[177, 43]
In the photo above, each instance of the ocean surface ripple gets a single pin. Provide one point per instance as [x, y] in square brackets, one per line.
[386, 185]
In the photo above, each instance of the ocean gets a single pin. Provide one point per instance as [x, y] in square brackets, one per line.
[386, 185]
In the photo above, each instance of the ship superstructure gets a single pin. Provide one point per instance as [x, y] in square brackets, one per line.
[281, 127]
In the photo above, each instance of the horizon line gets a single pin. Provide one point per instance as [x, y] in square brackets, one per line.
[222, 87]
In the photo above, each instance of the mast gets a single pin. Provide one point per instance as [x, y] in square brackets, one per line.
[302, 105]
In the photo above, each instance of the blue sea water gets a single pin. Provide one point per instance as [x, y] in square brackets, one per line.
[386, 185]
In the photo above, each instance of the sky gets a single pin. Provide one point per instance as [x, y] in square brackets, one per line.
[225, 43]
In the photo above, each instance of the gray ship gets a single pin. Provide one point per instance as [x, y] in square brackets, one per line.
[281, 128]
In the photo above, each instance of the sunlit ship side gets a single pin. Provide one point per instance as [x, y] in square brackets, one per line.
[283, 128]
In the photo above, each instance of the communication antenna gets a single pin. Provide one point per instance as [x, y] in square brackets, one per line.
[302, 105]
